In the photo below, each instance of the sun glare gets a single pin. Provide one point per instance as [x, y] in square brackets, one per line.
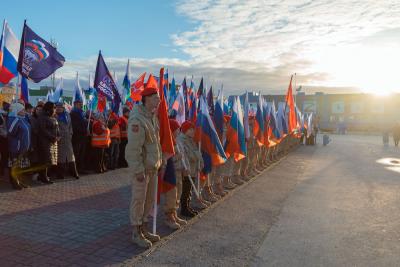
[370, 69]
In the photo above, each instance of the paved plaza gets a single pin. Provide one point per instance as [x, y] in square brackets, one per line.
[320, 206]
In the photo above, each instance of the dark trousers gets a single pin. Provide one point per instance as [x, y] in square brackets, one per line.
[186, 193]
[122, 163]
[113, 153]
[79, 147]
[98, 159]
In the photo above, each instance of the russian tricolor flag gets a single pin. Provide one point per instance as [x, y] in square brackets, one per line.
[211, 147]
[236, 145]
[258, 128]
[9, 50]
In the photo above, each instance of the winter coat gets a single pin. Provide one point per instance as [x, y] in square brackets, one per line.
[48, 134]
[19, 136]
[65, 150]
[143, 150]
[192, 153]
[34, 155]
[79, 125]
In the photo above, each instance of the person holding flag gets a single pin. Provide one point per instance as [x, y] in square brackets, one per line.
[145, 158]
[123, 125]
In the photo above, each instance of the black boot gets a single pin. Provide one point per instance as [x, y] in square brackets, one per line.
[60, 171]
[185, 199]
[43, 177]
[72, 168]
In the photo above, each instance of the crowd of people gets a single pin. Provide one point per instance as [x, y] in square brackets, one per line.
[180, 203]
[48, 142]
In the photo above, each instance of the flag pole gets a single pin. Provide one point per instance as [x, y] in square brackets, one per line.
[90, 111]
[155, 204]
[2, 40]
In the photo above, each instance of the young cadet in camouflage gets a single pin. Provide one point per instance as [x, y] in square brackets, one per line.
[145, 158]
[172, 197]
[195, 160]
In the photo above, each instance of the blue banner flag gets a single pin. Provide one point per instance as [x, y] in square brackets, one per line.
[37, 58]
[105, 85]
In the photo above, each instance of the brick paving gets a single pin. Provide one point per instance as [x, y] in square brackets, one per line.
[69, 223]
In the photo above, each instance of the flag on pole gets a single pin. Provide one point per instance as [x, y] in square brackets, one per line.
[200, 91]
[167, 144]
[137, 87]
[292, 118]
[273, 123]
[246, 107]
[126, 84]
[210, 101]
[219, 114]
[179, 107]
[258, 128]
[37, 58]
[166, 180]
[77, 94]
[105, 85]
[192, 108]
[211, 147]
[9, 46]
[58, 93]
[172, 93]
[24, 90]
[236, 143]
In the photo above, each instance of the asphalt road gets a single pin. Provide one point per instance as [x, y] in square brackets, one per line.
[320, 206]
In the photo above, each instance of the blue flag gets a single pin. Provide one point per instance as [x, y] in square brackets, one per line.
[37, 58]
[105, 85]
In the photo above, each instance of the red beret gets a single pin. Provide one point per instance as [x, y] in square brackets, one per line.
[174, 125]
[186, 126]
[151, 87]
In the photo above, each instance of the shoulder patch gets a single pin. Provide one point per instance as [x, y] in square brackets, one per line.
[135, 128]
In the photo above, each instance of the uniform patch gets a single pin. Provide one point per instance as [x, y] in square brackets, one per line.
[135, 128]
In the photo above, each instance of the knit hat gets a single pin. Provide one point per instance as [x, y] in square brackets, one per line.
[174, 125]
[16, 107]
[186, 126]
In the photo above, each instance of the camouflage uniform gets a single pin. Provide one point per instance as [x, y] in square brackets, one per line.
[144, 156]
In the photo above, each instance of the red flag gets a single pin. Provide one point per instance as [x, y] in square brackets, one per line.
[167, 144]
[101, 102]
[137, 87]
[292, 112]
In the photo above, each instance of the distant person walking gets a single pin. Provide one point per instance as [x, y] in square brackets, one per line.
[396, 134]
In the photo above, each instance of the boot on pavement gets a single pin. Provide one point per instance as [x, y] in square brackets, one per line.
[138, 237]
[151, 237]
[219, 189]
[228, 184]
[171, 222]
[236, 179]
[180, 221]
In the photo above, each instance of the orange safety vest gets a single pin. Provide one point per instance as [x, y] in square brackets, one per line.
[124, 133]
[115, 132]
[101, 140]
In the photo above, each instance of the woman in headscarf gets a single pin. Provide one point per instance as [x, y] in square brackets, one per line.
[49, 135]
[19, 142]
[65, 151]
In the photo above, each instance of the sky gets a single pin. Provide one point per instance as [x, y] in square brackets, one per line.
[332, 46]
